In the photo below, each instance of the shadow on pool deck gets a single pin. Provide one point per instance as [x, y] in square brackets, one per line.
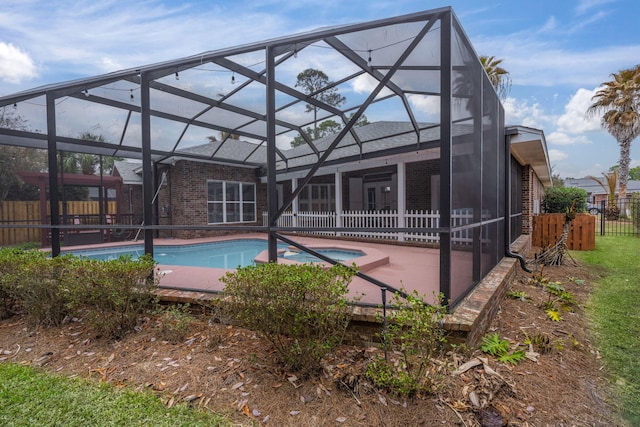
[409, 268]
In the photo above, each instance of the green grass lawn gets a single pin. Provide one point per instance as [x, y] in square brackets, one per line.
[32, 398]
[614, 310]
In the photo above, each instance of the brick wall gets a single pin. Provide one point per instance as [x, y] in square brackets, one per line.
[185, 196]
[131, 203]
[532, 191]
[418, 175]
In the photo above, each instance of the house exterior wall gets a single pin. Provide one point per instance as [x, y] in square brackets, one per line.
[132, 203]
[418, 179]
[184, 200]
[130, 208]
[532, 195]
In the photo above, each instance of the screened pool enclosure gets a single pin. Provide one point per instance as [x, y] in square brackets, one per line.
[406, 120]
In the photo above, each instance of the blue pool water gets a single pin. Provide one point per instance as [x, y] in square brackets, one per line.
[228, 254]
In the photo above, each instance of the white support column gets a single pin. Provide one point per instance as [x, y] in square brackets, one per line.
[294, 203]
[402, 198]
[338, 191]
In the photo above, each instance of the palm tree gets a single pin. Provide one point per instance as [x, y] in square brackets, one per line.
[619, 102]
[498, 76]
[609, 185]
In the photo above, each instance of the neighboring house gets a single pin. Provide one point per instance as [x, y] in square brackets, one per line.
[197, 193]
[595, 193]
[131, 194]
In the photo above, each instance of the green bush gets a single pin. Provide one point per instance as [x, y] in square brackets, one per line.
[559, 199]
[10, 261]
[110, 295]
[36, 283]
[301, 309]
[7, 302]
[413, 336]
[175, 322]
[635, 210]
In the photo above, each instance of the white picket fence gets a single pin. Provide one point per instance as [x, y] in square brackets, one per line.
[357, 220]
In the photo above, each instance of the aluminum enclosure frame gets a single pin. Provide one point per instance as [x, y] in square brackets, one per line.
[468, 119]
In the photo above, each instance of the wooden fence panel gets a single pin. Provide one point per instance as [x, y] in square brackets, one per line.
[547, 229]
[28, 212]
[22, 213]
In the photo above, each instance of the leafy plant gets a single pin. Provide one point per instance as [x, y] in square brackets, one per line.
[559, 199]
[553, 314]
[538, 279]
[110, 294]
[174, 322]
[576, 280]
[519, 295]
[552, 310]
[302, 309]
[36, 284]
[413, 336]
[513, 358]
[634, 205]
[494, 345]
[541, 342]
[555, 288]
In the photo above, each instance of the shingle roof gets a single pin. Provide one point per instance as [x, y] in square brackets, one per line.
[592, 187]
[127, 170]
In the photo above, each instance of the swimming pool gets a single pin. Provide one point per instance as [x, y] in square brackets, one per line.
[228, 254]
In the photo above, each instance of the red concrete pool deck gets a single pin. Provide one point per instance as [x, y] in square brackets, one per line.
[398, 266]
[409, 268]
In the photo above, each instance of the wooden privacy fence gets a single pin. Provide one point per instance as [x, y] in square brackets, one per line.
[26, 213]
[547, 229]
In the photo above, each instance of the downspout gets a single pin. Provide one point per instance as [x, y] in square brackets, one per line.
[507, 201]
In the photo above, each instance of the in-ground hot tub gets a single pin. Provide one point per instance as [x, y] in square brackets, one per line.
[365, 258]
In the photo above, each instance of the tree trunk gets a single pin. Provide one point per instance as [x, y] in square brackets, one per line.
[555, 254]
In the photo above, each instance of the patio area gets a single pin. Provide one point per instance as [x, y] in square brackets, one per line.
[408, 268]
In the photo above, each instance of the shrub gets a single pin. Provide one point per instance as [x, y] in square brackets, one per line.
[560, 199]
[112, 293]
[36, 283]
[301, 309]
[494, 345]
[635, 210]
[175, 322]
[413, 336]
[10, 261]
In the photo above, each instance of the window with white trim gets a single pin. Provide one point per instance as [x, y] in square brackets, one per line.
[229, 202]
[317, 198]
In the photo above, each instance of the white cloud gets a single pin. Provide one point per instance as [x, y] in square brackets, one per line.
[557, 155]
[561, 138]
[365, 84]
[86, 37]
[585, 5]
[520, 112]
[109, 64]
[15, 65]
[574, 119]
[428, 105]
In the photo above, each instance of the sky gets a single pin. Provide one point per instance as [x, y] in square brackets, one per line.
[558, 52]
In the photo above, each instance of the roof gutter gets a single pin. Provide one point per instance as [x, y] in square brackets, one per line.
[507, 201]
